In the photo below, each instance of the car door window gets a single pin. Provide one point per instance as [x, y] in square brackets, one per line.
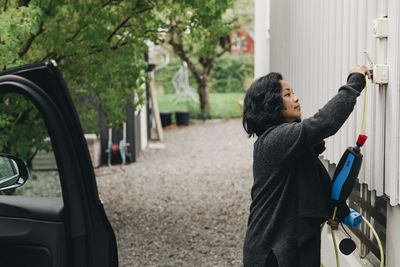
[24, 135]
[49, 231]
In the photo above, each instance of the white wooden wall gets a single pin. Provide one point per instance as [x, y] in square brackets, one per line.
[262, 38]
[314, 43]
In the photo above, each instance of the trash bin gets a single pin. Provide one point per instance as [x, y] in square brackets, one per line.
[182, 117]
[165, 118]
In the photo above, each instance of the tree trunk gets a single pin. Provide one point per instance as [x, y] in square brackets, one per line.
[203, 95]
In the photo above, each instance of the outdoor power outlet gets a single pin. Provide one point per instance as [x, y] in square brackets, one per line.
[380, 28]
[380, 74]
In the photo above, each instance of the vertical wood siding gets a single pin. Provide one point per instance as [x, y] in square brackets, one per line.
[392, 144]
[314, 44]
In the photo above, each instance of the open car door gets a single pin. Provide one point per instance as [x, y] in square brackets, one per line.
[68, 231]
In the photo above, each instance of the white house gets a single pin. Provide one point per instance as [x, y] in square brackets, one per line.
[314, 43]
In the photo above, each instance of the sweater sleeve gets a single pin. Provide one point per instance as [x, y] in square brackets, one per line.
[291, 140]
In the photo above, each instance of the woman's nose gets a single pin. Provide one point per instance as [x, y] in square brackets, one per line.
[296, 99]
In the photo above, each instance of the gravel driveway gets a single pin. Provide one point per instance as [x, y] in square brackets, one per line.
[185, 204]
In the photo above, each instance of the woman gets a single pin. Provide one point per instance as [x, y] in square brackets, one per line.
[290, 194]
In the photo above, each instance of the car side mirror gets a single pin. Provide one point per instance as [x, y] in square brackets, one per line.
[13, 172]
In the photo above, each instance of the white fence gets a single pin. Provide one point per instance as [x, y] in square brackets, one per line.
[314, 43]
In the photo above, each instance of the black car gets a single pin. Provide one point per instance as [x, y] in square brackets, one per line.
[72, 230]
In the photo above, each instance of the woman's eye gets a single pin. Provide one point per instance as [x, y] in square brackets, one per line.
[287, 94]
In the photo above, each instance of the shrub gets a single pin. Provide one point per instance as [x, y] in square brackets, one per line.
[230, 73]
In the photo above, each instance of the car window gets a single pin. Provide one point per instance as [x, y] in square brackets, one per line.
[24, 135]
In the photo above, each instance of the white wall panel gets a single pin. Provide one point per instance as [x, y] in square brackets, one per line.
[314, 44]
[378, 129]
[262, 37]
[392, 144]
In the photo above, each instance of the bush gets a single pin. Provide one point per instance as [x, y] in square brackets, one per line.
[230, 73]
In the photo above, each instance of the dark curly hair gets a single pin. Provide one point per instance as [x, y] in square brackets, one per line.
[263, 104]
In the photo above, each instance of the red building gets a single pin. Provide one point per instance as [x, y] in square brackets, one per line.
[242, 41]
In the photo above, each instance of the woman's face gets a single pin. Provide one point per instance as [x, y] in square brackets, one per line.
[291, 110]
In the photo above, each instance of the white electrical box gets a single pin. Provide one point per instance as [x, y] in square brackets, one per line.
[380, 74]
[380, 27]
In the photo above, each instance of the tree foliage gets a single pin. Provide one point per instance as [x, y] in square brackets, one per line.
[22, 128]
[98, 44]
[243, 13]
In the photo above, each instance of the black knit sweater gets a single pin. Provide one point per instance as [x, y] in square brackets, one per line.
[290, 193]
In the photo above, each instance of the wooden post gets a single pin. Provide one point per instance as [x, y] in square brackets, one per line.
[125, 143]
[154, 105]
[109, 147]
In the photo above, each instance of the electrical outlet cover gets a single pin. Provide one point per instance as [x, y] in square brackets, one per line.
[380, 28]
[381, 74]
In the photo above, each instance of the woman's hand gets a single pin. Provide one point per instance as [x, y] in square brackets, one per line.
[361, 69]
[333, 223]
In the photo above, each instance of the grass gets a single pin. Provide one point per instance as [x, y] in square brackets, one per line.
[223, 105]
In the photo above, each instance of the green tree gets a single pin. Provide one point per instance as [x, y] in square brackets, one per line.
[98, 44]
[198, 32]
